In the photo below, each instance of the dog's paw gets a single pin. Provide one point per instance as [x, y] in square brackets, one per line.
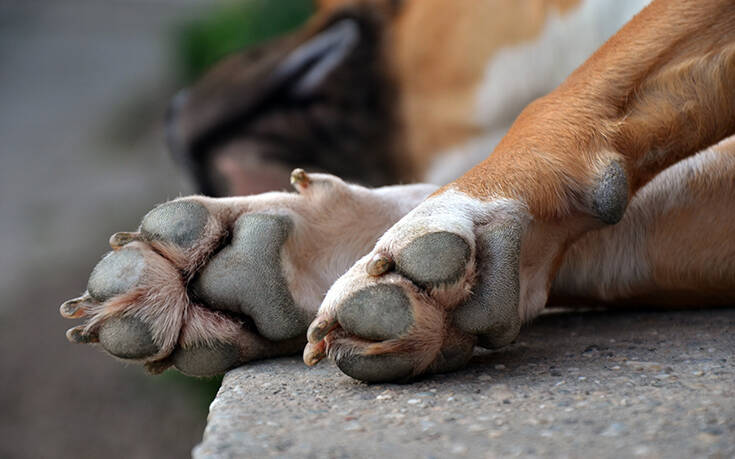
[443, 278]
[207, 284]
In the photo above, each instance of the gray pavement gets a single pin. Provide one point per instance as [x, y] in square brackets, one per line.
[575, 384]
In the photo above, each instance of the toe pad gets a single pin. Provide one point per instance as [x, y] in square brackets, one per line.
[116, 273]
[178, 222]
[377, 312]
[434, 259]
[127, 338]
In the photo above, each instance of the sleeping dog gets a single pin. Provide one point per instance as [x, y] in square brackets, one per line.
[599, 192]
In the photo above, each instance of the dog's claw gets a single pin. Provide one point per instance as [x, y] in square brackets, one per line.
[75, 308]
[319, 329]
[300, 179]
[122, 238]
[80, 336]
[314, 353]
[379, 265]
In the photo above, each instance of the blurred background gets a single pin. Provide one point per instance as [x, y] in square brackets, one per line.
[83, 88]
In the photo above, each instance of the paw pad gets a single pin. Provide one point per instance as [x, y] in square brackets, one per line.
[127, 338]
[205, 360]
[178, 222]
[118, 272]
[610, 196]
[376, 368]
[434, 259]
[246, 277]
[377, 312]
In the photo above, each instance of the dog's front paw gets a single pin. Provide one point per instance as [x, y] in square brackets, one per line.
[444, 276]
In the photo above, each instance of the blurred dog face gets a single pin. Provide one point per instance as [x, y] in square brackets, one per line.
[369, 90]
[321, 99]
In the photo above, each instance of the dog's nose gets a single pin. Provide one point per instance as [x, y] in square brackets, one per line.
[177, 144]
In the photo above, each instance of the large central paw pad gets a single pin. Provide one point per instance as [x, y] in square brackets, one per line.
[247, 277]
[181, 291]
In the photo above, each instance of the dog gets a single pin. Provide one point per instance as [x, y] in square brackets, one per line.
[599, 192]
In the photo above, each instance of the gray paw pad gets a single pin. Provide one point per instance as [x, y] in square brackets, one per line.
[245, 277]
[434, 259]
[378, 312]
[453, 357]
[127, 338]
[610, 196]
[205, 360]
[116, 273]
[376, 368]
[493, 307]
[178, 222]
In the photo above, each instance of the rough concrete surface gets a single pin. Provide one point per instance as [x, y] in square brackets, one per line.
[575, 384]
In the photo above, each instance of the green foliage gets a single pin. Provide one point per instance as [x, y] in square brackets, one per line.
[233, 27]
[201, 391]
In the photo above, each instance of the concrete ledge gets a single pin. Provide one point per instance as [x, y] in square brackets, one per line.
[643, 384]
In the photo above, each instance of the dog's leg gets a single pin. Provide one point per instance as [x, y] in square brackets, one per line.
[478, 257]
[674, 246]
[206, 284]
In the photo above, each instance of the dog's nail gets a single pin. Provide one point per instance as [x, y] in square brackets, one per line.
[74, 308]
[78, 335]
[319, 329]
[379, 265]
[122, 238]
[299, 179]
[314, 353]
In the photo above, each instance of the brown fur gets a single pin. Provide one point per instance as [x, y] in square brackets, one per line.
[625, 102]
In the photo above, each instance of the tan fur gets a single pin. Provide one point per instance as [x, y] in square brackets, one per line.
[625, 102]
[674, 246]
[438, 61]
